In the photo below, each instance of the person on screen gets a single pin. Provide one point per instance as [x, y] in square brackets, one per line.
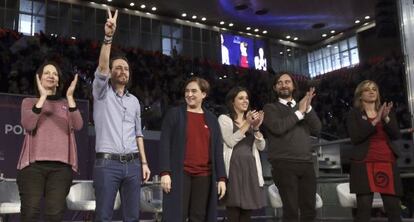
[49, 153]
[225, 60]
[244, 62]
[260, 62]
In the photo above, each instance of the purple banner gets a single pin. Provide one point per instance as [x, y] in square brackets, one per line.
[12, 134]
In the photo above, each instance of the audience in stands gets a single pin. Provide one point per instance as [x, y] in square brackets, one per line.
[157, 79]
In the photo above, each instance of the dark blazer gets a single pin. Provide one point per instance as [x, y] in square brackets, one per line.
[360, 131]
[171, 159]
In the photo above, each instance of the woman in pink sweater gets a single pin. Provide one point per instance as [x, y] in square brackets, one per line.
[48, 155]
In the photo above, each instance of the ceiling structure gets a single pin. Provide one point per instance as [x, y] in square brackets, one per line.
[302, 21]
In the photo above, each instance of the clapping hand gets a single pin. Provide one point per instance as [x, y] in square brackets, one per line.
[378, 118]
[257, 119]
[311, 93]
[306, 101]
[40, 88]
[387, 109]
[72, 87]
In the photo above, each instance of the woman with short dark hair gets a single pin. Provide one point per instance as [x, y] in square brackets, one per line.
[191, 159]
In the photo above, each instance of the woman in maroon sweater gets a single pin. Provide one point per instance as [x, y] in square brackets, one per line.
[191, 159]
[373, 128]
[49, 154]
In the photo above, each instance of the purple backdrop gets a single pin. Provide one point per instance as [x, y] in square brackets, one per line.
[12, 134]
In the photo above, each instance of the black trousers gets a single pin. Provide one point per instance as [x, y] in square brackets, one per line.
[237, 214]
[196, 197]
[46, 180]
[391, 204]
[296, 182]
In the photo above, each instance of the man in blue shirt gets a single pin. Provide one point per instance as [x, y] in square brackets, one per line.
[120, 154]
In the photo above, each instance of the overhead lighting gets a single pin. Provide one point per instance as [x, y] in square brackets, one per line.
[296, 38]
[109, 0]
[203, 19]
[154, 8]
[248, 28]
[288, 36]
[329, 46]
[357, 21]
[288, 50]
[257, 35]
[324, 35]
[281, 53]
[366, 23]
[73, 37]
[332, 31]
[194, 17]
[231, 24]
[143, 6]
[256, 30]
[221, 23]
[264, 32]
[131, 4]
[184, 15]
[367, 17]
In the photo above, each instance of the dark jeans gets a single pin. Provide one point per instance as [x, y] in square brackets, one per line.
[237, 214]
[391, 204]
[44, 179]
[196, 196]
[109, 177]
[296, 182]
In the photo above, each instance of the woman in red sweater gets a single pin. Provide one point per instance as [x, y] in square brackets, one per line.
[48, 155]
[191, 159]
[373, 128]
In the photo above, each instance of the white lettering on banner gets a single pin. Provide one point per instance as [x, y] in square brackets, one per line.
[15, 129]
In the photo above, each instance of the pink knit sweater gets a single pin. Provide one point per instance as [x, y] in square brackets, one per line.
[49, 135]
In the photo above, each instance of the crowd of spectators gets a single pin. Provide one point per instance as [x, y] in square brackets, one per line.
[157, 80]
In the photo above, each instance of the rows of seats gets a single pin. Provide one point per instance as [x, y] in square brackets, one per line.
[82, 198]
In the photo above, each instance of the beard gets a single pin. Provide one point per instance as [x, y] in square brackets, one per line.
[120, 80]
[285, 93]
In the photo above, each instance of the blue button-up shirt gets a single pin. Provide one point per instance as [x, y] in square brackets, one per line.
[117, 118]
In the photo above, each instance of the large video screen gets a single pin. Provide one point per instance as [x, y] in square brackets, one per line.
[243, 51]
